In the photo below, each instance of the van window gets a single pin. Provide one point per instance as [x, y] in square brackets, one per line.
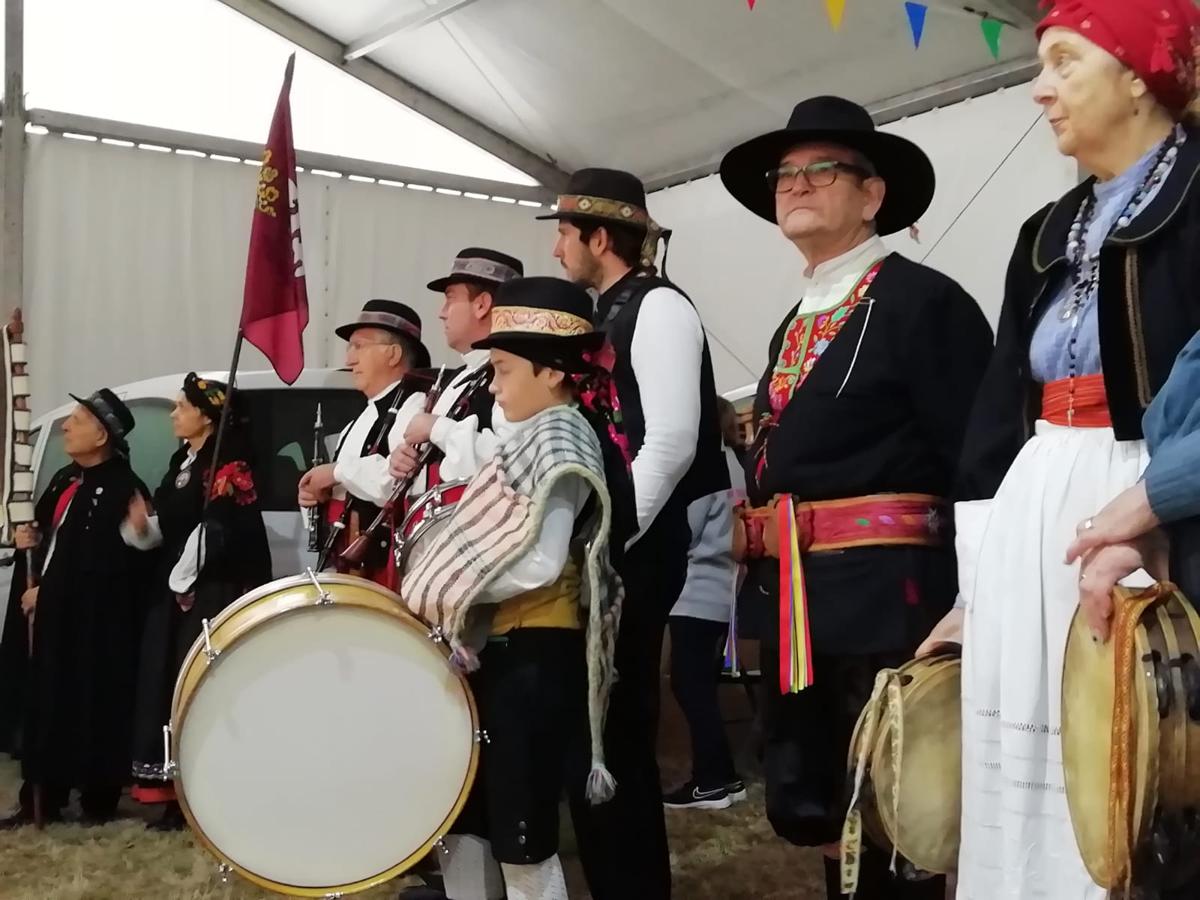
[151, 444]
[281, 427]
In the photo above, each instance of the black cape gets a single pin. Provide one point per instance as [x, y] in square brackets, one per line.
[69, 706]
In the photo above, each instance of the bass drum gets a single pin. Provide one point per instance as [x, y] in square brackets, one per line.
[426, 517]
[323, 743]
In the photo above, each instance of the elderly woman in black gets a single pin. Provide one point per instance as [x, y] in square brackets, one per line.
[212, 552]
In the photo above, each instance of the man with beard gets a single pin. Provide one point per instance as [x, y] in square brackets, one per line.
[664, 382]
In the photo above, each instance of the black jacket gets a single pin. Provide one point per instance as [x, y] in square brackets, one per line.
[906, 375]
[1148, 306]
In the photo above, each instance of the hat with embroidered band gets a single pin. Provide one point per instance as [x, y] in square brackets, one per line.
[545, 320]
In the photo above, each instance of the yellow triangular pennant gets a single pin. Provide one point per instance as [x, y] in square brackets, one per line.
[835, 8]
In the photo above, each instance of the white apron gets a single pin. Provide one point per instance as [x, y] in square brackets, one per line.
[1017, 840]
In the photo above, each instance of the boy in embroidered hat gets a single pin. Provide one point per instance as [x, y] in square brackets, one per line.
[520, 581]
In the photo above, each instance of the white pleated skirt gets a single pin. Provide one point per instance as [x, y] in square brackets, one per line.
[1017, 840]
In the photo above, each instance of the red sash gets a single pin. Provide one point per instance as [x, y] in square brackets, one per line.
[1079, 402]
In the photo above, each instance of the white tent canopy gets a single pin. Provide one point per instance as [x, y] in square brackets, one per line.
[659, 88]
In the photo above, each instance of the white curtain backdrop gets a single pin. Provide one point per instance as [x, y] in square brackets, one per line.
[744, 275]
[135, 259]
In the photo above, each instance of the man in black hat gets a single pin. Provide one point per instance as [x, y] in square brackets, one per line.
[383, 346]
[466, 316]
[81, 591]
[664, 379]
[864, 403]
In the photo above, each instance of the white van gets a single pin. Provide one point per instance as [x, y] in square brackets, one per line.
[281, 423]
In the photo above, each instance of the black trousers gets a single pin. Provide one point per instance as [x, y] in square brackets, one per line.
[531, 689]
[99, 801]
[696, 646]
[623, 843]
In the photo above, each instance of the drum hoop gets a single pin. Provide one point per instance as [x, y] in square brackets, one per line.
[404, 540]
[298, 599]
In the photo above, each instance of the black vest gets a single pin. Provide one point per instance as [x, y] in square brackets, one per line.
[617, 315]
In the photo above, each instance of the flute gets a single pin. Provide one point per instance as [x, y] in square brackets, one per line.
[317, 513]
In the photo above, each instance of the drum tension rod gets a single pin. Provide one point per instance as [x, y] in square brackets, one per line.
[441, 845]
[223, 871]
[324, 598]
[481, 736]
[210, 652]
[436, 635]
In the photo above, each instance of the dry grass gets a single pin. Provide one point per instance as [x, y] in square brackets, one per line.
[726, 855]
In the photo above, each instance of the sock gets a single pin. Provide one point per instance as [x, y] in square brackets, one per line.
[540, 881]
[469, 870]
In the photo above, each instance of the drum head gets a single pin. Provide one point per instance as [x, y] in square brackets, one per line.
[926, 829]
[328, 746]
[1087, 720]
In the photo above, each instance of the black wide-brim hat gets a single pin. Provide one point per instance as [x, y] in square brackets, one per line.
[905, 169]
[390, 315]
[112, 414]
[479, 265]
[545, 320]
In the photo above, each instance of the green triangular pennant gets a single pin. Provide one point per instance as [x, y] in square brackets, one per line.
[991, 34]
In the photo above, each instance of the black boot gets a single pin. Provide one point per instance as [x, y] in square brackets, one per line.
[171, 820]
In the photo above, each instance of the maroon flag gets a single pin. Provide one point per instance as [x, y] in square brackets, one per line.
[275, 302]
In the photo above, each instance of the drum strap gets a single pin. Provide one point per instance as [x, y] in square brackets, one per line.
[852, 839]
[1128, 615]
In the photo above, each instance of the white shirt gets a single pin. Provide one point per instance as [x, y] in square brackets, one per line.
[366, 477]
[832, 280]
[666, 355]
[465, 446]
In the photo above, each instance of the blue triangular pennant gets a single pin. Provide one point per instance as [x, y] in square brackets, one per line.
[916, 20]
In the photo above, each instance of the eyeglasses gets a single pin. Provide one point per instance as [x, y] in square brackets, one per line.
[356, 346]
[817, 175]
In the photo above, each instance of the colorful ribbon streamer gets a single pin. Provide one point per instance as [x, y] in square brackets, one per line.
[795, 641]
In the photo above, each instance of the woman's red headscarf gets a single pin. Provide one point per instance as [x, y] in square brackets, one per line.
[1155, 38]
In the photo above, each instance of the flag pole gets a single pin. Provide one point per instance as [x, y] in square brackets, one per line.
[219, 439]
[223, 425]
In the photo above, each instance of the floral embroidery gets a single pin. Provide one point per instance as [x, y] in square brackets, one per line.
[806, 340]
[598, 393]
[235, 480]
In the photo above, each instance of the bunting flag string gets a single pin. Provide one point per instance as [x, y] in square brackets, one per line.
[916, 13]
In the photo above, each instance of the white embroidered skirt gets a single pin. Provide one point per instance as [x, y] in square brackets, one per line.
[1017, 841]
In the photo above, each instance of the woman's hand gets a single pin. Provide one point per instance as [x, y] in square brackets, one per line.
[1103, 569]
[947, 631]
[1126, 518]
